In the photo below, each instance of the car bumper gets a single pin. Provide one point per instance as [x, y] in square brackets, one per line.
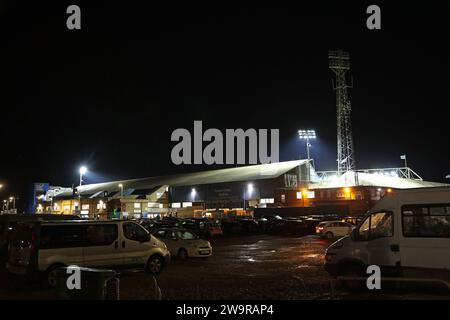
[199, 253]
[19, 270]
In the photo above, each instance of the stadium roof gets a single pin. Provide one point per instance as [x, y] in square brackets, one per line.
[374, 180]
[247, 173]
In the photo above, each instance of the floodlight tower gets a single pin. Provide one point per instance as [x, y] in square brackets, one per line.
[339, 63]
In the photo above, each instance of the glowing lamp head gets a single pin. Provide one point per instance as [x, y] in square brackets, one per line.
[83, 170]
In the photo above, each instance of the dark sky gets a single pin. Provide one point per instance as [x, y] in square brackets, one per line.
[110, 95]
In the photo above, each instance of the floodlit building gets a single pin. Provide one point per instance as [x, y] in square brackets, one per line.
[233, 191]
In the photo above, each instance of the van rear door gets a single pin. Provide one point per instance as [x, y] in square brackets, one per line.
[22, 249]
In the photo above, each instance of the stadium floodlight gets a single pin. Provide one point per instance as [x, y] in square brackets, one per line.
[307, 135]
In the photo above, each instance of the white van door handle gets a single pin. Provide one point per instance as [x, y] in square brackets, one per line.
[116, 245]
[395, 248]
[123, 244]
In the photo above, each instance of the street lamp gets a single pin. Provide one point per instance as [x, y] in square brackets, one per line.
[82, 171]
[121, 189]
[307, 135]
[13, 200]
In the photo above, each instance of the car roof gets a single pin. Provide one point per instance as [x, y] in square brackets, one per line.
[172, 229]
[63, 222]
[331, 221]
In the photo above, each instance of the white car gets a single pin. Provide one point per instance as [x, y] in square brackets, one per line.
[184, 243]
[333, 229]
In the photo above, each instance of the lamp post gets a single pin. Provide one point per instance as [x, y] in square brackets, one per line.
[13, 200]
[307, 135]
[82, 171]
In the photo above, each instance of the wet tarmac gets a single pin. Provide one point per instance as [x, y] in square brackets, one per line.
[242, 268]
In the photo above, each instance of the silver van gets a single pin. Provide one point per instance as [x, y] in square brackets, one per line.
[40, 248]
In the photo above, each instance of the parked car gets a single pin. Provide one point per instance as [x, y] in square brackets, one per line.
[407, 233]
[279, 225]
[184, 243]
[311, 224]
[203, 227]
[231, 227]
[9, 221]
[333, 229]
[352, 220]
[40, 248]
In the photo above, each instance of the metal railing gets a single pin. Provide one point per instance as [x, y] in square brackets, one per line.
[402, 172]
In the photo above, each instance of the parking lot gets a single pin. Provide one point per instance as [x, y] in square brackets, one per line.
[242, 267]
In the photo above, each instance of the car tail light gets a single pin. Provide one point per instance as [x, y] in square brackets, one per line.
[319, 228]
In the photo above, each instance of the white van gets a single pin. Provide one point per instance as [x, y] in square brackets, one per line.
[407, 233]
[42, 247]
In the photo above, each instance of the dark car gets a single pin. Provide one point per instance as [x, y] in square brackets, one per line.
[279, 225]
[231, 227]
[240, 226]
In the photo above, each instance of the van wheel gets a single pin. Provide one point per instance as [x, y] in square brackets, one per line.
[353, 270]
[51, 275]
[329, 235]
[154, 264]
[182, 254]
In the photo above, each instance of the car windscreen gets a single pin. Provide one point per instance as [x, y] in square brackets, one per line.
[186, 235]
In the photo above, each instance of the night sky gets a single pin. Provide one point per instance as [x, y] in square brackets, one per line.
[110, 95]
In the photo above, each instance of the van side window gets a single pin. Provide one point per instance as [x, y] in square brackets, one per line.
[53, 237]
[101, 234]
[377, 225]
[426, 221]
[133, 231]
